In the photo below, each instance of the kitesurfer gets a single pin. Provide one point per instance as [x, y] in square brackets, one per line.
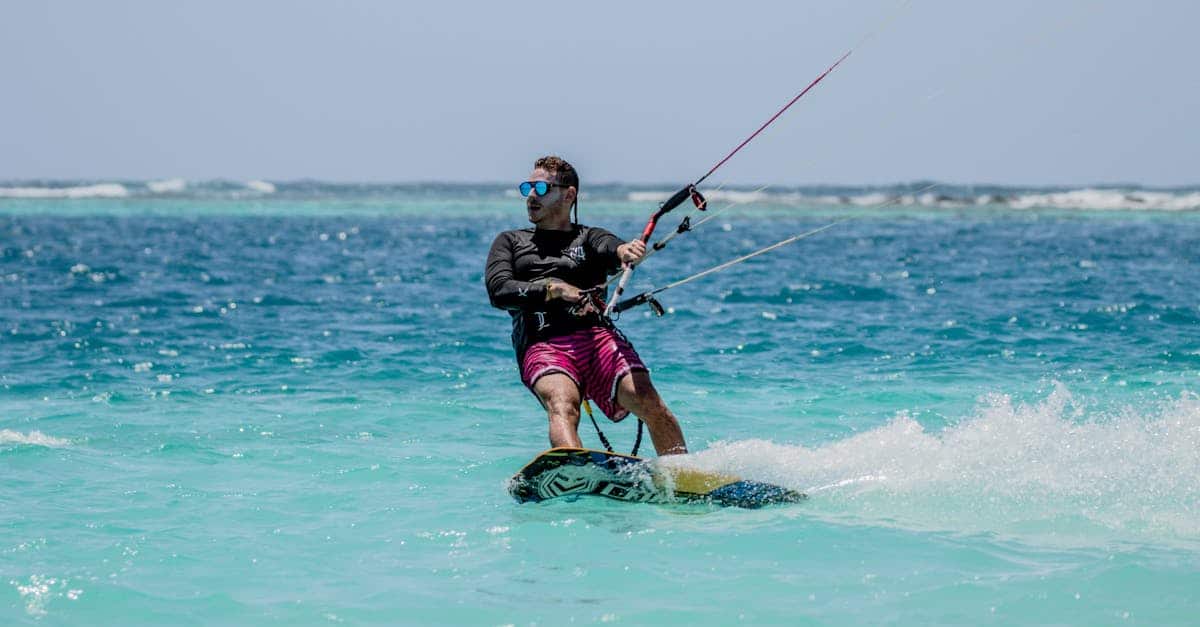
[567, 350]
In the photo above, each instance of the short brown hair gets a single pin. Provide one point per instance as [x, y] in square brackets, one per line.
[564, 172]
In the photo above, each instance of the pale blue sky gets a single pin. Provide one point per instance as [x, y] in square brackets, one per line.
[1021, 92]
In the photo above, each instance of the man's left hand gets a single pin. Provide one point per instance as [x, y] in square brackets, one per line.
[631, 252]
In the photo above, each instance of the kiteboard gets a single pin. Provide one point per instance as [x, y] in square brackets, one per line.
[561, 472]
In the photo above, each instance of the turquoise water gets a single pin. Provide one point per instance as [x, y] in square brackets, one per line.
[298, 408]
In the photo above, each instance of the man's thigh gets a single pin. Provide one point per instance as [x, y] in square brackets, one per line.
[636, 393]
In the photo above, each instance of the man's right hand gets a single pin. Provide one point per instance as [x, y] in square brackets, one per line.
[584, 306]
[563, 290]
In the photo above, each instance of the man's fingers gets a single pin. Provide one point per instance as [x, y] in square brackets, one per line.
[571, 294]
[633, 251]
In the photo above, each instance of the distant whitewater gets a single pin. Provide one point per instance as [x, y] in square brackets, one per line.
[917, 194]
[957, 197]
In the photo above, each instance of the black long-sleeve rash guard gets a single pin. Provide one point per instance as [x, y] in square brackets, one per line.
[521, 262]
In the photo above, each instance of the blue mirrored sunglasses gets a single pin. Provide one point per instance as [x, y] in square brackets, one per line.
[538, 187]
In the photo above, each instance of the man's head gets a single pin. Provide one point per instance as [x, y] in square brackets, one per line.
[552, 209]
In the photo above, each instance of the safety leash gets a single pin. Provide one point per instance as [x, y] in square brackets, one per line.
[637, 442]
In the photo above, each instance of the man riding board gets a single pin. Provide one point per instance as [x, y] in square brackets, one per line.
[567, 349]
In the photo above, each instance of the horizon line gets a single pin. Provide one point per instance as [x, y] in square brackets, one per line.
[8, 183]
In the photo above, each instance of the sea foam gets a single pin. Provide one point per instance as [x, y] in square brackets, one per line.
[1010, 469]
[33, 438]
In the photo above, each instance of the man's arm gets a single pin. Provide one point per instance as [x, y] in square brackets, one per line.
[504, 291]
[613, 250]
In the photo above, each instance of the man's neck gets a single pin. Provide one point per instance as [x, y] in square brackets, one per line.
[564, 225]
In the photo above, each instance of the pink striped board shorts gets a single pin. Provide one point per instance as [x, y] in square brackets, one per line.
[594, 358]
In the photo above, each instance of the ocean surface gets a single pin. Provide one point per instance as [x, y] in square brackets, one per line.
[249, 403]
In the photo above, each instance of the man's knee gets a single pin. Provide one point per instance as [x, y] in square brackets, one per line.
[563, 409]
[560, 396]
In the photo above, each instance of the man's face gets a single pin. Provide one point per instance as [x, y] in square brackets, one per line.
[553, 205]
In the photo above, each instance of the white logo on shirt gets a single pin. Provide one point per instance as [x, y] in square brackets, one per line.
[576, 254]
